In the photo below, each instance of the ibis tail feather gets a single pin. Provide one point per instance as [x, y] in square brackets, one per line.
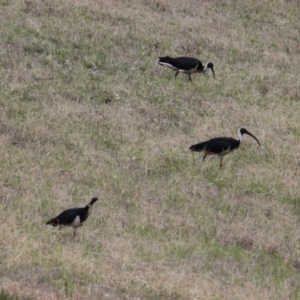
[198, 147]
[53, 222]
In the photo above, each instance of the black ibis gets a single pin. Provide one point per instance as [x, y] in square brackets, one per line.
[186, 65]
[73, 217]
[221, 145]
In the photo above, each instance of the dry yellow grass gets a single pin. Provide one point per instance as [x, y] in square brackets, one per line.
[167, 226]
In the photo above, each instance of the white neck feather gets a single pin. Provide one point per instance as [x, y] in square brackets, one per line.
[240, 136]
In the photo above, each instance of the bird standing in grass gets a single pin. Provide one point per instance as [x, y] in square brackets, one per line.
[73, 217]
[186, 65]
[221, 145]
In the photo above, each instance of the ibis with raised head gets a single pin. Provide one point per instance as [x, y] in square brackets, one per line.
[186, 65]
[74, 217]
[221, 146]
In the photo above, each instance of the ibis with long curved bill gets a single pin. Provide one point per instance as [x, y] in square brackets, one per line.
[186, 65]
[221, 146]
[74, 217]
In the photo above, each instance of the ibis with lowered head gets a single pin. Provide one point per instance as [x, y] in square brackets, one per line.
[73, 217]
[221, 146]
[186, 65]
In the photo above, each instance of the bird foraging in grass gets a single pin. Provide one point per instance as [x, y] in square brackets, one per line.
[73, 217]
[186, 65]
[221, 146]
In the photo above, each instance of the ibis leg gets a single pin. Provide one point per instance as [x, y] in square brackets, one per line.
[74, 233]
[176, 74]
[221, 160]
[204, 157]
[190, 78]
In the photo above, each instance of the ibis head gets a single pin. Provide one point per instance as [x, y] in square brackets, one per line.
[210, 65]
[93, 200]
[245, 131]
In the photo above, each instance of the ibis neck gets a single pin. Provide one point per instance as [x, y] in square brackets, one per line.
[240, 136]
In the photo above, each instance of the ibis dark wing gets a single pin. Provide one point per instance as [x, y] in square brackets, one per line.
[218, 145]
[69, 215]
[185, 63]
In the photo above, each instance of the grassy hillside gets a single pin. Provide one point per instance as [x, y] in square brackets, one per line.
[166, 225]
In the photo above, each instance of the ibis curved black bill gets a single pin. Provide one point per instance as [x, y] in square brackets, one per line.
[249, 133]
[210, 65]
[212, 69]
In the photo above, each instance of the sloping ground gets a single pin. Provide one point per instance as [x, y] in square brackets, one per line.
[167, 226]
